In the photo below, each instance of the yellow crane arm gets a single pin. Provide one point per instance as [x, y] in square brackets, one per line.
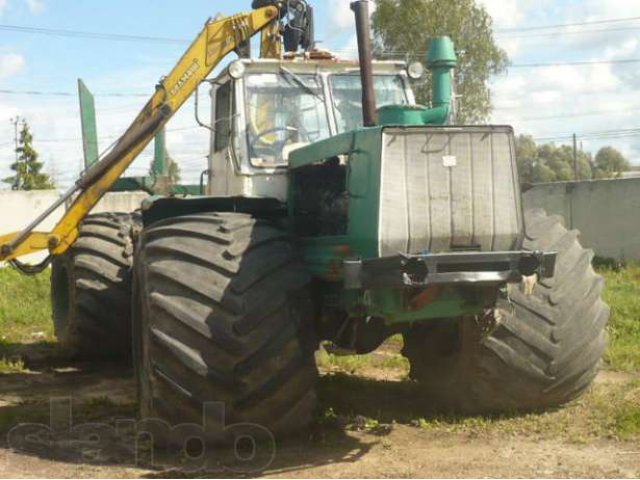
[217, 40]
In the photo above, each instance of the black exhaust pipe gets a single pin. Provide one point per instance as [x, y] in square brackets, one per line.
[363, 30]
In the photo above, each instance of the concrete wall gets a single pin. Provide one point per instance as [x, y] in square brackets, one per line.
[607, 213]
[18, 209]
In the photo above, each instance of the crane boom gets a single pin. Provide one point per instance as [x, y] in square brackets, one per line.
[215, 41]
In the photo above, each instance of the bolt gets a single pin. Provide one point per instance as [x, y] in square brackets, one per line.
[166, 110]
[53, 242]
[6, 250]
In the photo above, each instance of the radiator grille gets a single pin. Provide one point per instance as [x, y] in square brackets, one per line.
[445, 189]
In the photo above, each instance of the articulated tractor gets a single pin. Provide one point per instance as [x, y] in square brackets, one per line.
[336, 212]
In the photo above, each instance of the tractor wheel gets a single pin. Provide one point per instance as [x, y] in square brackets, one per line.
[223, 316]
[541, 350]
[91, 289]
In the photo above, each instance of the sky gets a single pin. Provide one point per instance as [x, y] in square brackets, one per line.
[596, 98]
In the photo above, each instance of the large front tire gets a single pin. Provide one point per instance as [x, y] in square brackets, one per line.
[544, 350]
[223, 315]
[91, 289]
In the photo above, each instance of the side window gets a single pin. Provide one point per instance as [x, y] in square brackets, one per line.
[224, 116]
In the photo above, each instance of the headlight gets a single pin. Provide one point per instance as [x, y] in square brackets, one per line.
[237, 69]
[415, 71]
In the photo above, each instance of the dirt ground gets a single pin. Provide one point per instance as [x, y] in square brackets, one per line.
[365, 431]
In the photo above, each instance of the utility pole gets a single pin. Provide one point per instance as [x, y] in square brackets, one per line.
[15, 121]
[575, 157]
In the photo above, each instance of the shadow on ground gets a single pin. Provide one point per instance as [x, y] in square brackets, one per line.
[64, 411]
[85, 414]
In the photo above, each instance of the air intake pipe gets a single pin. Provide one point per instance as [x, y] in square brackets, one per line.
[441, 60]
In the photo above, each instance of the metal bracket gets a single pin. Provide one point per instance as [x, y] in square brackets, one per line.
[446, 269]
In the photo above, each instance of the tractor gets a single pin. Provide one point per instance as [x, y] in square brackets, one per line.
[337, 211]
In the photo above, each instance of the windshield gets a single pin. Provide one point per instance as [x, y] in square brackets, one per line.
[284, 111]
[347, 97]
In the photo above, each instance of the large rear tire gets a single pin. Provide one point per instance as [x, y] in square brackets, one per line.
[91, 289]
[223, 314]
[544, 350]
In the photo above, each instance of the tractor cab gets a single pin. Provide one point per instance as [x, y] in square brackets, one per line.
[265, 109]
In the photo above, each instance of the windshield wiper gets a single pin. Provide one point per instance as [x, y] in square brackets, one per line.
[300, 82]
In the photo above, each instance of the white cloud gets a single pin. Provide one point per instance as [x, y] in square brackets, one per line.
[607, 9]
[10, 64]
[36, 6]
[505, 13]
[55, 123]
[342, 19]
[559, 100]
[341, 15]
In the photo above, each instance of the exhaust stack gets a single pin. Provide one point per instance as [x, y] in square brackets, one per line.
[363, 29]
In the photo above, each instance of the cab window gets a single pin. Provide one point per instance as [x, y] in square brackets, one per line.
[347, 97]
[283, 111]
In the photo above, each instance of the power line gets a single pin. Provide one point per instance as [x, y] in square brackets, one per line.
[595, 135]
[576, 64]
[556, 34]
[173, 40]
[566, 25]
[574, 115]
[106, 137]
[91, 35]
[67, 94]
[519, 65]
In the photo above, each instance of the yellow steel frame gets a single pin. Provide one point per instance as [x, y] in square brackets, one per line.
[271, 41]
[217, 39]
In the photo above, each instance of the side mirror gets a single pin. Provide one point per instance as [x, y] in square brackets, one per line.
[415, 70]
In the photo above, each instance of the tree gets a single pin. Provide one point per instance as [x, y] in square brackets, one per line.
[404, 27]
[527, 158]
[173, 169]
[27, 167]
[549, 162]
[610, 163]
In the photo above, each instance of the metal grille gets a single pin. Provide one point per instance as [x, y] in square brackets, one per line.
[448, 189]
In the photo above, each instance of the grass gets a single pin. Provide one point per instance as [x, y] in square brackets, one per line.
[8, 365]
[611, 410]
[25, 309]
[379, 360]
[25, 317]
[622, 293]
[627, 423]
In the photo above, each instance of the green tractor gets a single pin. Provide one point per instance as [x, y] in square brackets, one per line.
[326, 224]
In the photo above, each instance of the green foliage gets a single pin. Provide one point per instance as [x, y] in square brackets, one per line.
[553, 163]
[174, 172]
[403, 29]
[11, 366]
[627, 423]
[610, 163]
[358, 364]
[622, 293]
[549, 162]
[25, 311]
[28, 169]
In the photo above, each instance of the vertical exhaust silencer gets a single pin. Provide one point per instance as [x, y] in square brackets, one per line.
[363, 29]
